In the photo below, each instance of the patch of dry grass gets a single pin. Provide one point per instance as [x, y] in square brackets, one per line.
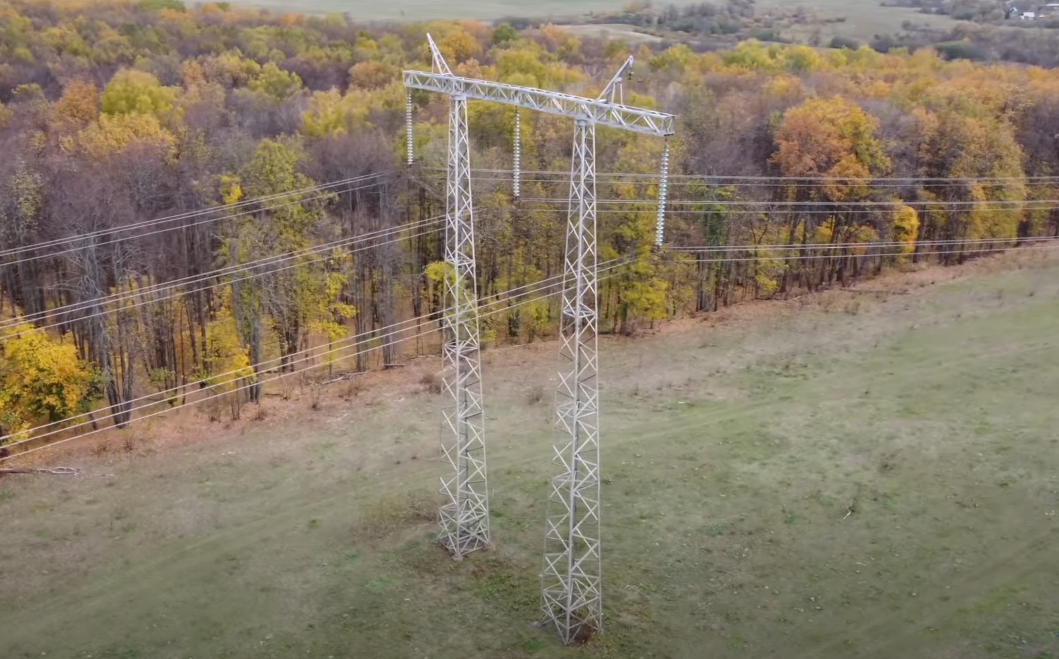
[794, 481]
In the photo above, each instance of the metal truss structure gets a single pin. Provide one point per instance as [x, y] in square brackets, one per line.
[464, 513]
[597, 111]
[571, 595]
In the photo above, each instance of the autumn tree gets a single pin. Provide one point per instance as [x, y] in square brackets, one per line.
[41, 380]
[829, 148]
[982, 156]
[131, 91]
[79, 103]
[304, 293]
[116, 113]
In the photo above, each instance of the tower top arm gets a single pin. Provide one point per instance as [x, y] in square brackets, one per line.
[597, 111]
[439, 60]
[615, 83]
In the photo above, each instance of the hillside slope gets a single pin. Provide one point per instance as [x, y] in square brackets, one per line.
[866, 473]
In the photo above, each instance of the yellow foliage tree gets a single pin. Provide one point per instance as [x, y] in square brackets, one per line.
[370, 75]
[331, 113]
[459, 46]
[276, 82]
[139, 92]
[40, 380]
[905, 227]
[79, 103]
[230, 69]
[114, 133]
[227, 359]
[829, 138]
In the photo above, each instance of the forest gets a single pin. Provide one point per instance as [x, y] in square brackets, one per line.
[194, 200]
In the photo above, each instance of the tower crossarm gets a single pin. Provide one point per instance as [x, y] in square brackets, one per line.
[596, 111]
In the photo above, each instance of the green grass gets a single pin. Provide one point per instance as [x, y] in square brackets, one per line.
[818, 484]
[864, 18]
[429, 10]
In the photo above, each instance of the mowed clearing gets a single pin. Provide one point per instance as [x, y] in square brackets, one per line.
[862, 18]
[420, 10]
[866, 473]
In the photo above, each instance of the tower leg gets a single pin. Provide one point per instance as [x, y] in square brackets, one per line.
[464, 514]
[571, 598]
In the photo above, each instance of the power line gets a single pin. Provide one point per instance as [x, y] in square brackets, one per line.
[233, 269]
[779, 205]
[711, 177]
[1005, 204]
[798, 212]
[397, 328]
[66, 309]
[856, 245]
[608, 266]
[837, 257]
[235, 374]
[225, 215]
[550, 281]
[811, 184]
[141, 301]
[767, 211]
[189, 214]
[146, 301]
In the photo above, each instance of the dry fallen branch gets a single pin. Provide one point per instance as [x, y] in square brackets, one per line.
[345, 376]
[58, 471]
[871, 291]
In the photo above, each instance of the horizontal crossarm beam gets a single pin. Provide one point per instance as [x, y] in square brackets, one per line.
[600, 112]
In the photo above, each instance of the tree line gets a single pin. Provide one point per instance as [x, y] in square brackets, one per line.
[191, 193]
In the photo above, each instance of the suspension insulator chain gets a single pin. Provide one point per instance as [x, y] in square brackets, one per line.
[408, 127]
[660, 226]
[518, 156]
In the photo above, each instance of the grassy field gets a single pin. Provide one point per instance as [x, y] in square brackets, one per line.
[430, 10]
[854, 474]
[864, 18]
[860, 20]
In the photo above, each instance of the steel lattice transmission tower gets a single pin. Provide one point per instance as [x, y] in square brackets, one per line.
[571, 597]
[464, 513]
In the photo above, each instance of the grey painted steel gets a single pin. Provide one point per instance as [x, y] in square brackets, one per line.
[437, 60]
[600, 112]
[571, 597]
[571, 594]
[614, 87]
[464, 512]
[464, 515]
